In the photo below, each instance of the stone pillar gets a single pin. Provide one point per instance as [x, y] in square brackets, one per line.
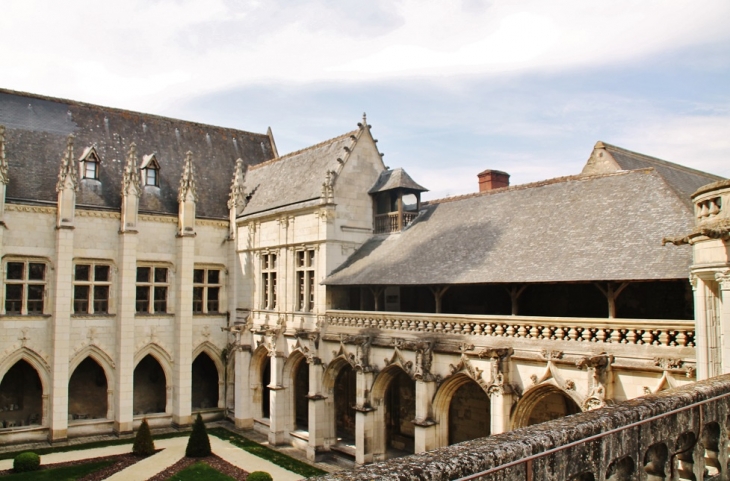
[242, 414]
[364, 422]
[723, 281]
[63, 293]
[318, 426]
[698, 289]
[500, 406]
[127, 296]
[426, 435]
[279, 403]
[185, 263]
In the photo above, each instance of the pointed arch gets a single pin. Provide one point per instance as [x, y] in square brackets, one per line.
[295, 379]
[160, 354]
[394, 397]
[215, 396]
[89, 390]
[36, 361]
[547, 391]
[99, 356]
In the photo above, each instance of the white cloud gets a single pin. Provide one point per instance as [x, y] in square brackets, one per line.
[144, 54]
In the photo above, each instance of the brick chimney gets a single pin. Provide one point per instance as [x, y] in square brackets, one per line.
[492, 179]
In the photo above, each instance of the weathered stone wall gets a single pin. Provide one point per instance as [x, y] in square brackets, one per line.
[692, 440]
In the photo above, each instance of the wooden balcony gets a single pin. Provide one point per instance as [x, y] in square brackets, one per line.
[387, 223]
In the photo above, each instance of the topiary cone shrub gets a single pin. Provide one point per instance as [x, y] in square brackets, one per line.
[259, 476]
[198, 444]
[25, 462]
[143, 443]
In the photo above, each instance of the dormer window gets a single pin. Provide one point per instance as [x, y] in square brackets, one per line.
[150, 170]
[90, 162]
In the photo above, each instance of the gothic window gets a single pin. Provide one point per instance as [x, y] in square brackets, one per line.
[268, 281]
[90, 162]
[150, 170]
[92, 283]
[305, 280]
[25, 286]
[206, 290]
[152, 287]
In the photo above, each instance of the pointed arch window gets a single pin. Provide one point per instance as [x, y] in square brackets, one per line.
[90, 162]
[150, 170]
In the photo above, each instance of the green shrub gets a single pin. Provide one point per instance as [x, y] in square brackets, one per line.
[259, 476]
[198, 444]
[143, 443]
[25, 462]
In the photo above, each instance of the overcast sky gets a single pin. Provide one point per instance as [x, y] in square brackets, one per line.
[450, 87]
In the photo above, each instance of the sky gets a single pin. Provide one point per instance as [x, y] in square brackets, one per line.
[450, 87]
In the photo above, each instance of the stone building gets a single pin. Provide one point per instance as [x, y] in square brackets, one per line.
[155, 268]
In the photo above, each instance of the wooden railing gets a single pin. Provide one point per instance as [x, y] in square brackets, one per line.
[679, 333]
[386, 223]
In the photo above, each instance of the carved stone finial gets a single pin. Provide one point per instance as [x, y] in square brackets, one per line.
[67, 176]
[3, 161]
[131, 184]
[237, 197]
[187, 181]
[723, 278]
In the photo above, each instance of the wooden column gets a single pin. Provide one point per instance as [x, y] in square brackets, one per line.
[612, 294]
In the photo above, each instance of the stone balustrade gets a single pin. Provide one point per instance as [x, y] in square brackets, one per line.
[680, 333]
[678, 434]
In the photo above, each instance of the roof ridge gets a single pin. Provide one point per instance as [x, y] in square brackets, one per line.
[541, 183]
[657, 160]
[122, 111]
[300, 151]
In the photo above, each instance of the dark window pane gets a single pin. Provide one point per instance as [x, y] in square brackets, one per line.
[213, 299]
[35, 299]
[198, 276]
[273, 261]
[273, 290]
[15, 270]
[160, 274]
[36, 272]
[197, 299]
[101, 273]
[143, 298]
[310, 258]
[300, 259]
[101, 298]
[160, 302]
[90, 170]
[143, 274]
[301, 289]
[81, 298]
[310, 280]
[82, 272]
[151, 177]
[13, 298]
[213, 276]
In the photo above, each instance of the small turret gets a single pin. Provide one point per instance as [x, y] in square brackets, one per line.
[237, 197]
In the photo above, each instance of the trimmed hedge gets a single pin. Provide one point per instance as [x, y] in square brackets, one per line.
[259, 476]
[25, 462]
[143, 443]
[198, 444]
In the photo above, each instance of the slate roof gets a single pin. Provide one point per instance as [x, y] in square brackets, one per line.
[36, 132]
[578, 228]
[296, 177]
[683, 180]
[393, 179]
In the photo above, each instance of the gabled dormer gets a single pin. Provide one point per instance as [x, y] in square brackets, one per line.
[89, 163]
[150, 170]
[396, 201]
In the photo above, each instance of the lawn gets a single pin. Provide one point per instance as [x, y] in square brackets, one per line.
[280, 459]
[66, 473]
[200, 471]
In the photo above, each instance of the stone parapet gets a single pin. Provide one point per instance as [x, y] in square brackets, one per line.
[677, 434]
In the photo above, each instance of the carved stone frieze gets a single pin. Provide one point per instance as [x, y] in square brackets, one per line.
[360, 360]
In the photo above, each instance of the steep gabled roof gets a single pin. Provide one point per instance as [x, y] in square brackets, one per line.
[296, 177]
[394, 179]
[37, 129]
[683, 180]
[579, 228]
